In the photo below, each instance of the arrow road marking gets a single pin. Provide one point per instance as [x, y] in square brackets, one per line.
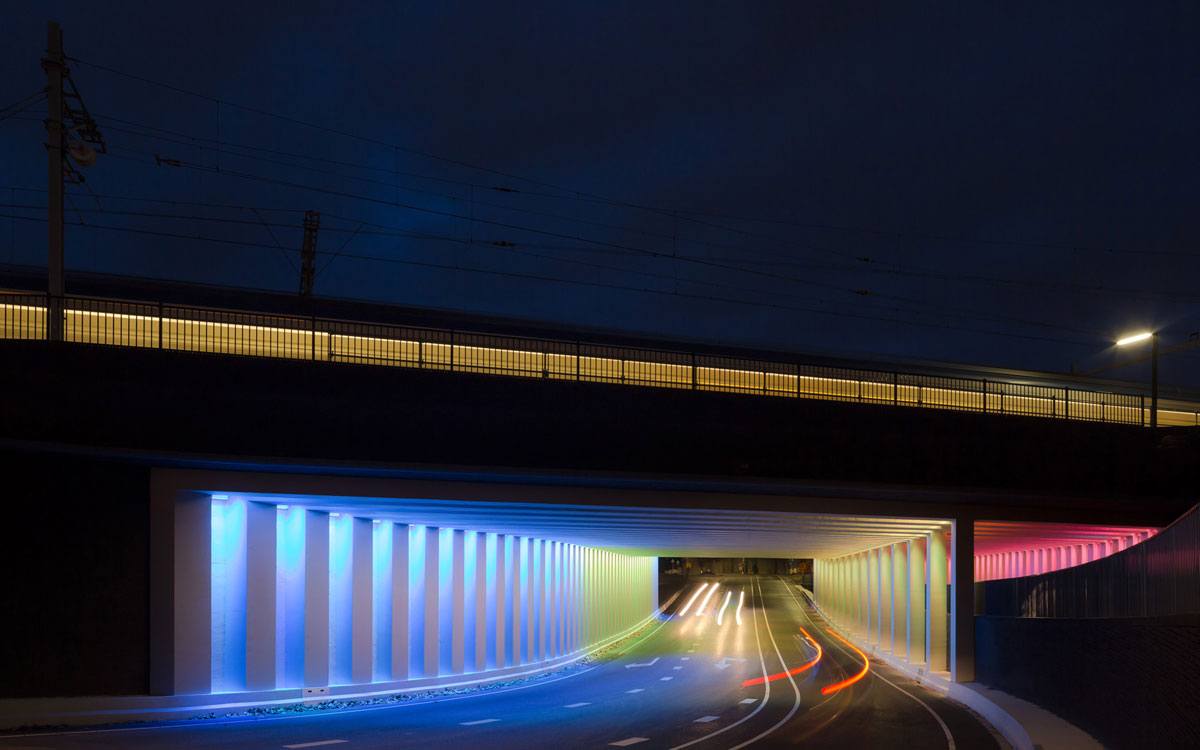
[650, 663]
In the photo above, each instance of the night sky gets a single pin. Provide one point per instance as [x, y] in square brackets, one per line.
[820, 176]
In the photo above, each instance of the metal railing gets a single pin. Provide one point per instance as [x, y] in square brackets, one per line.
[109, 322]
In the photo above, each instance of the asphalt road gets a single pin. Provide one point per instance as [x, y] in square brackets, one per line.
[678, 685]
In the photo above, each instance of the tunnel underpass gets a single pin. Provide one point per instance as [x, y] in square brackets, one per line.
[504, 608]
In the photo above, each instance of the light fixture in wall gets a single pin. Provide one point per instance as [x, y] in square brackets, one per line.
[281, 507]
[335, 515]
[220, 497]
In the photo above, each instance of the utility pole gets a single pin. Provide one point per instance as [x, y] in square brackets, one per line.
[308, 252]
[56, 140]
[1154, 381]
[72, 138]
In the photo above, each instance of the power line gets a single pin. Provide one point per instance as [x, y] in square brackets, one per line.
[595, 284]
[22, 104]
[865, 265]
[567, 192]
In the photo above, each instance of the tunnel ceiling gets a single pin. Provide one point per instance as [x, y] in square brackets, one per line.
[641, 530]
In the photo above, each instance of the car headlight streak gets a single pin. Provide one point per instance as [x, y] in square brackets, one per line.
[709, 595]
[741, 600]
[721, 612]
[683, 612]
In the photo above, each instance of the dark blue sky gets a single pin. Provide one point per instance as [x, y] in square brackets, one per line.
[1001, 167]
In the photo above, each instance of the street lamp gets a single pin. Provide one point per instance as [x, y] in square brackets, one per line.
[1137, 338]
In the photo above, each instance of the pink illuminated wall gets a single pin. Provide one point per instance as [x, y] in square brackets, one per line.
[1012, 550]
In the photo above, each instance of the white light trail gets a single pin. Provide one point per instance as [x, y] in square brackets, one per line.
[721, 613]
[741, 601]
[683, 612]
[709, 595]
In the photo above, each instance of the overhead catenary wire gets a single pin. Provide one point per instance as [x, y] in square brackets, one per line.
[179, 163]
[566, 191]
[594, 284]
[864, 266]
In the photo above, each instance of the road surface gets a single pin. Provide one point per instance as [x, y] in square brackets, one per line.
[687, 681]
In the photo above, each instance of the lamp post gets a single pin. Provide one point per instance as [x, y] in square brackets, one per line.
[1137, 338]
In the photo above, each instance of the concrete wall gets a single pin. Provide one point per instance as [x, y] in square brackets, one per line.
[1129, 682]
[76, 578]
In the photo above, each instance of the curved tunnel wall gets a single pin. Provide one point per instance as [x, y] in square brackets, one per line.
[292, 597]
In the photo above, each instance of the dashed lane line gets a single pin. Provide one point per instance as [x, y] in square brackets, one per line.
[635, 690]
[705, 719]
[318, 743]
[476, 722]
[795, 704]
[577, 705]
[629, 741]
[762, 661]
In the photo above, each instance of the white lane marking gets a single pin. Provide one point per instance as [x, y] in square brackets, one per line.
[316, 744]
[629, 741]
[744, 701]
[684, 658]
[691, 650]
[650, 663]
[476, 722]
[676, 668]
[705, 719]
[762, 661]
[635, 690]
[664, 679]
[945, 729]
[576, 705]
[795, 688]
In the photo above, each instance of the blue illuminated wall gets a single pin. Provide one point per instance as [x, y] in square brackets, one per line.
[228, 595]
[341, 582]
[381, 599]
[289, 596]
[356, 602]
[416, 600]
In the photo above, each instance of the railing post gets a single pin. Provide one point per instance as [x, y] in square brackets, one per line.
[695, 375]
[895, 388]
[578, 359]
[160, 324]
[985, 394]
[1066, 403]
[314, 338]
[1141, 411]
[451, 351]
